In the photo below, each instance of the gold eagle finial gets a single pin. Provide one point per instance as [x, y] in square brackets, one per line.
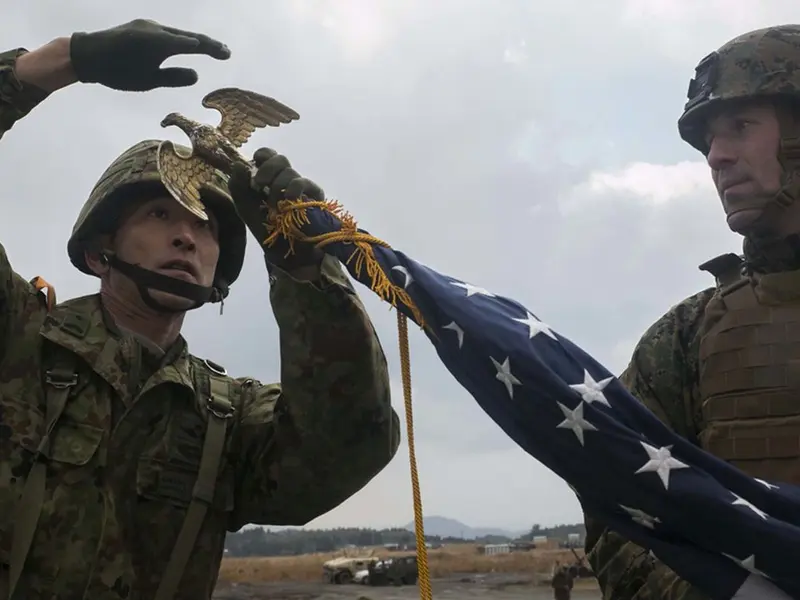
[215, 148]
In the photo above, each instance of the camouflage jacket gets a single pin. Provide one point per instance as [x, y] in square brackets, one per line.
[664, 375]
[125, 454]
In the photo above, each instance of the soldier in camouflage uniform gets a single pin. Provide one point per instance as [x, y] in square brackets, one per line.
[562, 582]
[721, 367]
[124, 459]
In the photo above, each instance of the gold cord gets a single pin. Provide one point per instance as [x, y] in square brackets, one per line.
[286, 221]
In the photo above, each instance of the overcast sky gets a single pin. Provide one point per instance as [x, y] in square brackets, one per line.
[527, 147]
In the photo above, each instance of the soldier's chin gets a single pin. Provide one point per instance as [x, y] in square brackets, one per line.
[171, 301]
[745, 221]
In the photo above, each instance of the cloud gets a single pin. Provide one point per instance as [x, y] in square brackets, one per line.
[655, 185]
[525, 147]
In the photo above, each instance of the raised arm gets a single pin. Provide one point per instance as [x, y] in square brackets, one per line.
[320, 436]
[26, 79]
[126, 57]
[663, 375]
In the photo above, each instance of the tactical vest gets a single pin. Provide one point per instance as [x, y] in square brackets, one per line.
[749, 365]
[211, 384]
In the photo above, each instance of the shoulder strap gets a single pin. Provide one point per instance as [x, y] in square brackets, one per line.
[212, 388]
[59, 380]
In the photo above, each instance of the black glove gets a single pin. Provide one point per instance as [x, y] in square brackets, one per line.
[275, 173]
[129, 57]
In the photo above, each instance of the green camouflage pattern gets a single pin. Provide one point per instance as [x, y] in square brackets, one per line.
[663, 375]
[137, 166]
[664, 370]
[126, 452]
[16, 100]
[764, 62]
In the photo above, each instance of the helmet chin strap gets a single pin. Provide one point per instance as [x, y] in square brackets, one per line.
[146, 279]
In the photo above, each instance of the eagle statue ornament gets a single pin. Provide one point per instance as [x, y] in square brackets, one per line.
[215, 148]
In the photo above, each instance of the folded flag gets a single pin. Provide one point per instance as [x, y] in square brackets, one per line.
[710, 522]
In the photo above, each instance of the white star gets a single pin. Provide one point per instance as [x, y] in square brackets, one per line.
[591, 390]
[472, 289]
[504, 375]
[641, 517]
[404, 271]
[459, 332]
[661, 462]
[742, 502]
[574, 420]
[766, 484]
[535, 326]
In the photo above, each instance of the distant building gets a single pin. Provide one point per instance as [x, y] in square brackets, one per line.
[490, 549]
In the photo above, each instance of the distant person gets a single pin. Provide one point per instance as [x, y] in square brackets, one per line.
[124, 459]
[562, 582]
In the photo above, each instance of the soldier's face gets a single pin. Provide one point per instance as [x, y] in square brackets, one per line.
[162, 236]
[743, 141]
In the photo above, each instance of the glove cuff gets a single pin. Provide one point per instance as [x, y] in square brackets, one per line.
[81, 56]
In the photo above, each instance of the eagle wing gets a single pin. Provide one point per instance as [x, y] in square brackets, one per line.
[184, 176]
[244, 111]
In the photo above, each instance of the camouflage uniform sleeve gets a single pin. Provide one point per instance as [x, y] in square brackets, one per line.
[318, 437]
[18, 301]
[663, 375]
[16, 99]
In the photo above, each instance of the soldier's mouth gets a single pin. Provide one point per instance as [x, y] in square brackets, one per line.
[180, 266]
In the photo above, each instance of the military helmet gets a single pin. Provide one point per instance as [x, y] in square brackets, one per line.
[135, 173]
[764, 63]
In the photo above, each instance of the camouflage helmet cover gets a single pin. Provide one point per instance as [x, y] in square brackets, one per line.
[135, 172]
[762, 63]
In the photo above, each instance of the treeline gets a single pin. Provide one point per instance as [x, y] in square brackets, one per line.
[292, 542]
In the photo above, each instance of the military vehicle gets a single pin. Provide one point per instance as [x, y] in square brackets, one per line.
[396, 570]
[343, 569]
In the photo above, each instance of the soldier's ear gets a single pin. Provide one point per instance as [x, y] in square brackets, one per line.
[95, 254]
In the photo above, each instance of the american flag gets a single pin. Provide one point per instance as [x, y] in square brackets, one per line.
[708, 521]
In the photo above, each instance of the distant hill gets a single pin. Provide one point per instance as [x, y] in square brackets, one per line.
[446, 527]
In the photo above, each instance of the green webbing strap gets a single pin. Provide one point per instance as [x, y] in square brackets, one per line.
[59, 380]
[213, 396]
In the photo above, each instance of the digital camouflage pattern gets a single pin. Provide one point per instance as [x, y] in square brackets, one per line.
[764, 62]
[663, 375]
[125, 454]
[672, 372]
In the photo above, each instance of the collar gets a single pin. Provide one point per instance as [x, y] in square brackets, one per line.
[82, 326]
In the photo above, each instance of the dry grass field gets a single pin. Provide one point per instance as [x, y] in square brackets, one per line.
[443, 562]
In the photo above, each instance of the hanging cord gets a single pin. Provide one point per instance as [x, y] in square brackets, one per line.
[286, 221]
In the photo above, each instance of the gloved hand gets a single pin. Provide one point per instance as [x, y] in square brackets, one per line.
[275, 173]
[128, 57]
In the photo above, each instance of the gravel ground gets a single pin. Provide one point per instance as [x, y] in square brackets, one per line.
[486, 587]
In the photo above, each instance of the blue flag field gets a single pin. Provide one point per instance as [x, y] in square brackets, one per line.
[710, 522]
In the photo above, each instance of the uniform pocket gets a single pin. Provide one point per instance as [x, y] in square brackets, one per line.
[75, 443]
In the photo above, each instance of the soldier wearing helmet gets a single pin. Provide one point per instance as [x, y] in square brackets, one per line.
[124, 458]
[721, 368]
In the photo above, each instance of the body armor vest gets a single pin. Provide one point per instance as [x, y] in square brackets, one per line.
[749, 365]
